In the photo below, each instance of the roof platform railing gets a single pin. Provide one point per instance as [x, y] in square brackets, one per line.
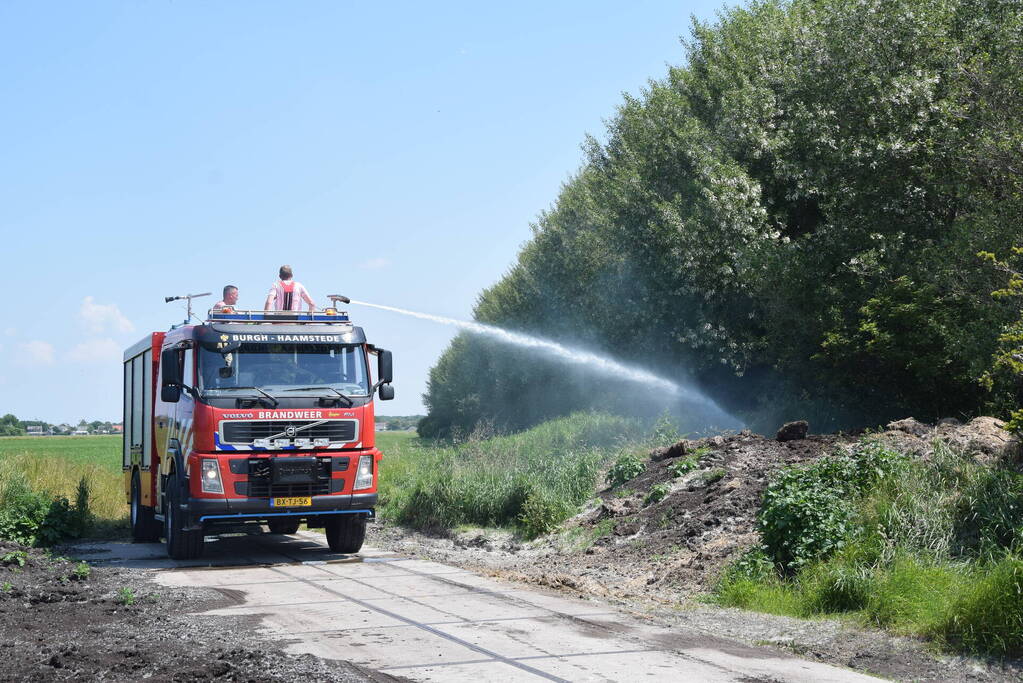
[229, 314]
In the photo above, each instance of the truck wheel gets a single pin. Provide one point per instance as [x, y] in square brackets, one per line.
[345, 533]
[181, 544]
[282, 526]
[144, 528]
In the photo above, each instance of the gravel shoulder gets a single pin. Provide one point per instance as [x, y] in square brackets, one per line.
[63, 620]
[831, 641]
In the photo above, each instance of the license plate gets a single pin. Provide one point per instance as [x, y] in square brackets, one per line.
[293, 502]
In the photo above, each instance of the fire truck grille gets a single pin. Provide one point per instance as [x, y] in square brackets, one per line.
[262, 485]
[245, 433]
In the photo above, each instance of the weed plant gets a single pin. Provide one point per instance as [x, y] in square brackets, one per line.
[925, 547]
[81, 572]
[683, 466]
[626, 467]
[126, 596]
[531, 480]
[657, 493]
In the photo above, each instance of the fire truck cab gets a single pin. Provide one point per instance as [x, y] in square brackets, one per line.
[252, 418]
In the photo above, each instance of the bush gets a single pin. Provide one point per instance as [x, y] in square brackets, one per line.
[628, 466]
[33, 518]
[808, 512]
[542, 513]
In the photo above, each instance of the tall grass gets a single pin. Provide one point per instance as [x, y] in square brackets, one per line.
[532, 480]
[55, 476]
[931, 548]
[55, 467]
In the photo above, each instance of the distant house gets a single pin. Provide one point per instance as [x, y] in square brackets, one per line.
[80, 432]
[35, 430]
[118, 429]
[381, 426]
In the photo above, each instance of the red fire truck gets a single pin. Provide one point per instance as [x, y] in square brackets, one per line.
[252, 418]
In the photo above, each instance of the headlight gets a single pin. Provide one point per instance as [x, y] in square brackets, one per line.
[211, 477]
[364, 479]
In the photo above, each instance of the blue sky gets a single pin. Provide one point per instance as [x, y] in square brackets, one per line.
[394, 153]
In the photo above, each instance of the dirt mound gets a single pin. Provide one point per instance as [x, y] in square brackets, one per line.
[63, 620]
[982, 438]
[676, 529]
[672, 529]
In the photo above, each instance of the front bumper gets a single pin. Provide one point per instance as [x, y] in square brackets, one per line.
[201, 510]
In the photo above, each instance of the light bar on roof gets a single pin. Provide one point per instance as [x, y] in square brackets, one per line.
[234, 315]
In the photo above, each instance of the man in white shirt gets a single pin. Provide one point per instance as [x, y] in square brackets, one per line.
[287, 295]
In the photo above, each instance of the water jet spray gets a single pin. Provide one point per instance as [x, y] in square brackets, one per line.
[576, 356]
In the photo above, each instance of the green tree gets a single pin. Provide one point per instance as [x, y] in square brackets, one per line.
[1005, 378]
[10, 426]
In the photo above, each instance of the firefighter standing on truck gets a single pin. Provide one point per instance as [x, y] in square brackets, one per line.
[287, 295]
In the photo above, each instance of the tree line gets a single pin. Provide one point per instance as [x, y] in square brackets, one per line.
[12, 426]
[791, 219]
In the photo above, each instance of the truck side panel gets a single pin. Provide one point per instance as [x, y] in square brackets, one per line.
[140, 369]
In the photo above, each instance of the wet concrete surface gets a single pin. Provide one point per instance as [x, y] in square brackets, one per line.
[432, 622]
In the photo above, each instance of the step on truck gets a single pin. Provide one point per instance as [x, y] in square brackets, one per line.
[252, 418]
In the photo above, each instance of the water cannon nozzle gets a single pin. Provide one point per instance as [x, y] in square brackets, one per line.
[187, 297]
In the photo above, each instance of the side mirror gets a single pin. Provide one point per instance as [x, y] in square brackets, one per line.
[170, 376]
[170, 367]
[384, 367]
[385, 392]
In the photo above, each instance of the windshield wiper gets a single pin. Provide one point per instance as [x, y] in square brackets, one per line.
[350, 401]
[269, 396]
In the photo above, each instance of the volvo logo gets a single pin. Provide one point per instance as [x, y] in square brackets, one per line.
[290, 431]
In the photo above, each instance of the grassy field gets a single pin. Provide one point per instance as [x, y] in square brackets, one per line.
[55, 464]
[101, 450]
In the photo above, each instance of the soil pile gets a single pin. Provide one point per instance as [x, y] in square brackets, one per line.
[63, 620]
[668, 533]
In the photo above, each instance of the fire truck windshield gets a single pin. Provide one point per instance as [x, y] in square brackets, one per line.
[280, 367]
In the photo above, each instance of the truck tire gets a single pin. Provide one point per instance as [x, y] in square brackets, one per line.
[144, 528]
[181, 544]
[345, 533]
[283, 526]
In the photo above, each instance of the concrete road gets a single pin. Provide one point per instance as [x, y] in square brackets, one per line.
[432, 622]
